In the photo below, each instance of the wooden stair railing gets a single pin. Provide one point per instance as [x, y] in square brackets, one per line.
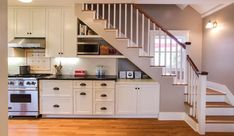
[142, 31]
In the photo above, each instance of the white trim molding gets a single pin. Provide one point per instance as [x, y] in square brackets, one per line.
[171, 116]
[222, 88]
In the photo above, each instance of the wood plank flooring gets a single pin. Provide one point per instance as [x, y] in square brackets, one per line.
[102, 127]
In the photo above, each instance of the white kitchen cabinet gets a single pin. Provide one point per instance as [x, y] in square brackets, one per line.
[83, 101]
[56, 97]
[30, 22]
[137, 99]
[126, 99]
[61, 32]
[13, 52]
[56, 105]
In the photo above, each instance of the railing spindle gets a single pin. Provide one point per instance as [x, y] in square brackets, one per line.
[137, 23]
[97, 13]
[114, 17]
[103, 11]
[120, 16]
[159, 47]
[109, 22]
[143, 32]
[125, 20]
[131, 25]
[91, 6]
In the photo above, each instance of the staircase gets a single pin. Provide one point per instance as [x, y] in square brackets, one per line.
[154, 50]
[219, 113]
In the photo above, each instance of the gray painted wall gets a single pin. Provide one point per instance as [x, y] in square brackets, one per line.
[3, 68]
[218, 48]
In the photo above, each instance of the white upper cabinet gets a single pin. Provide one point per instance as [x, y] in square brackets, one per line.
[61, 32]
[30, 22]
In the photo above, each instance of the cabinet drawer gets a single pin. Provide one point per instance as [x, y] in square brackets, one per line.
[56, 88]
[104, 108]
[104, 95]
[104, 84]
[83, 84]
[56, 105]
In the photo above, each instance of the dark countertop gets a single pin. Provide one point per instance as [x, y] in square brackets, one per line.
[72, 77]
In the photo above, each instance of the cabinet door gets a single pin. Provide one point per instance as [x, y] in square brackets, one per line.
[126, 99]
[53, 32]
[38, 22]
[69, 33]
[148, 99]
[11, 24]
[83, 101]
[22, 19]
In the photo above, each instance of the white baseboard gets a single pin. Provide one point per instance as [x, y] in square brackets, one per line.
[171, 116]
[222, 88]
[191, 122]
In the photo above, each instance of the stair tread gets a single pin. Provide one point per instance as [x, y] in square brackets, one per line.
[213, 92]
[218, 105]
[219, 119]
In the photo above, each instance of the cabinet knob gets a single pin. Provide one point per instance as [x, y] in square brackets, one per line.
[82, 84]
[82, 93]
[103, 95]
[103, 84]
[103, 108]
[56, 106]
[56, 88]
[62, 53]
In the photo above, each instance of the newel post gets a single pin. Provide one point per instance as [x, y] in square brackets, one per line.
[201, 107]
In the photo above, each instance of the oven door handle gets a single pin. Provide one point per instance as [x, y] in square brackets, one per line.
[24, 89]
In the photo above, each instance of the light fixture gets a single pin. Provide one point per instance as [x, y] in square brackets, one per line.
[211, 25]
[25, 1]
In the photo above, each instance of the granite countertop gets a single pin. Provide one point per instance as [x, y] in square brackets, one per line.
[72, 77]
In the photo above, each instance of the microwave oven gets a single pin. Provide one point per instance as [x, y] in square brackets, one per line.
[88, 48]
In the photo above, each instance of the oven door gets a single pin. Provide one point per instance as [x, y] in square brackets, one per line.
[22, 101]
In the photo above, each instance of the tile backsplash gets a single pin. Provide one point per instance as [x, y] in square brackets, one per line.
[69, 65]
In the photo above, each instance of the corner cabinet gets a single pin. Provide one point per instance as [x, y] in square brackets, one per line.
[61, 32]
[137, 99]
[30, 22]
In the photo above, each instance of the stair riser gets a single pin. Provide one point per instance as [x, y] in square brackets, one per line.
[219, 111]
[219, 127]
[215, 98]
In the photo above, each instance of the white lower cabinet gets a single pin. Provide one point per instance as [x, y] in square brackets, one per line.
[56, 105]
[137, 99]
[83, 101]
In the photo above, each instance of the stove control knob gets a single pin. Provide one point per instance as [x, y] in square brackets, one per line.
[28, 83]
[21, 83]
[11, 83]
[33, 83]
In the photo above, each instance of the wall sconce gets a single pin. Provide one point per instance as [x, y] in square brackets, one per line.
[211, 25]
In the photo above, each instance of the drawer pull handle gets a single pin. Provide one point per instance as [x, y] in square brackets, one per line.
[82, 84]
[103, 108]
[56, 88]
[82, 93]
[103, 95]
[56, 106]
[103, 84]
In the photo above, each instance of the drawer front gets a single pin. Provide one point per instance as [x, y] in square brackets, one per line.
[104, 95]
[83, 101]
[83, 84]
[56, 88]
[104, 84]
[104, 108]
[56, 105]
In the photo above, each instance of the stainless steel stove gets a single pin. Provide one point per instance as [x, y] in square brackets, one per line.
[23, 95]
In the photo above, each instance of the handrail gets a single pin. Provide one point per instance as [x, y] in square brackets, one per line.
[158, 25]
[196, 70]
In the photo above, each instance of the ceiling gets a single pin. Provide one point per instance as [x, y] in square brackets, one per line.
[204, 7]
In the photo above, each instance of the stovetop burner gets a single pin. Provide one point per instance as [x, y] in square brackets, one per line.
[37, 75]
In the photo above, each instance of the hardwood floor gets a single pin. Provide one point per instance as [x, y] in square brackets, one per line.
[102, 127]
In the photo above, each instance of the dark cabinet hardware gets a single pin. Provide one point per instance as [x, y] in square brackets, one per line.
[103, 95]
[103, 84]
[82, 84]
[82, 93]
[103, 108]
[56, 88]
[56, 106]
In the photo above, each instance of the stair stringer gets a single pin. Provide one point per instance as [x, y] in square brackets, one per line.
[171, 97]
